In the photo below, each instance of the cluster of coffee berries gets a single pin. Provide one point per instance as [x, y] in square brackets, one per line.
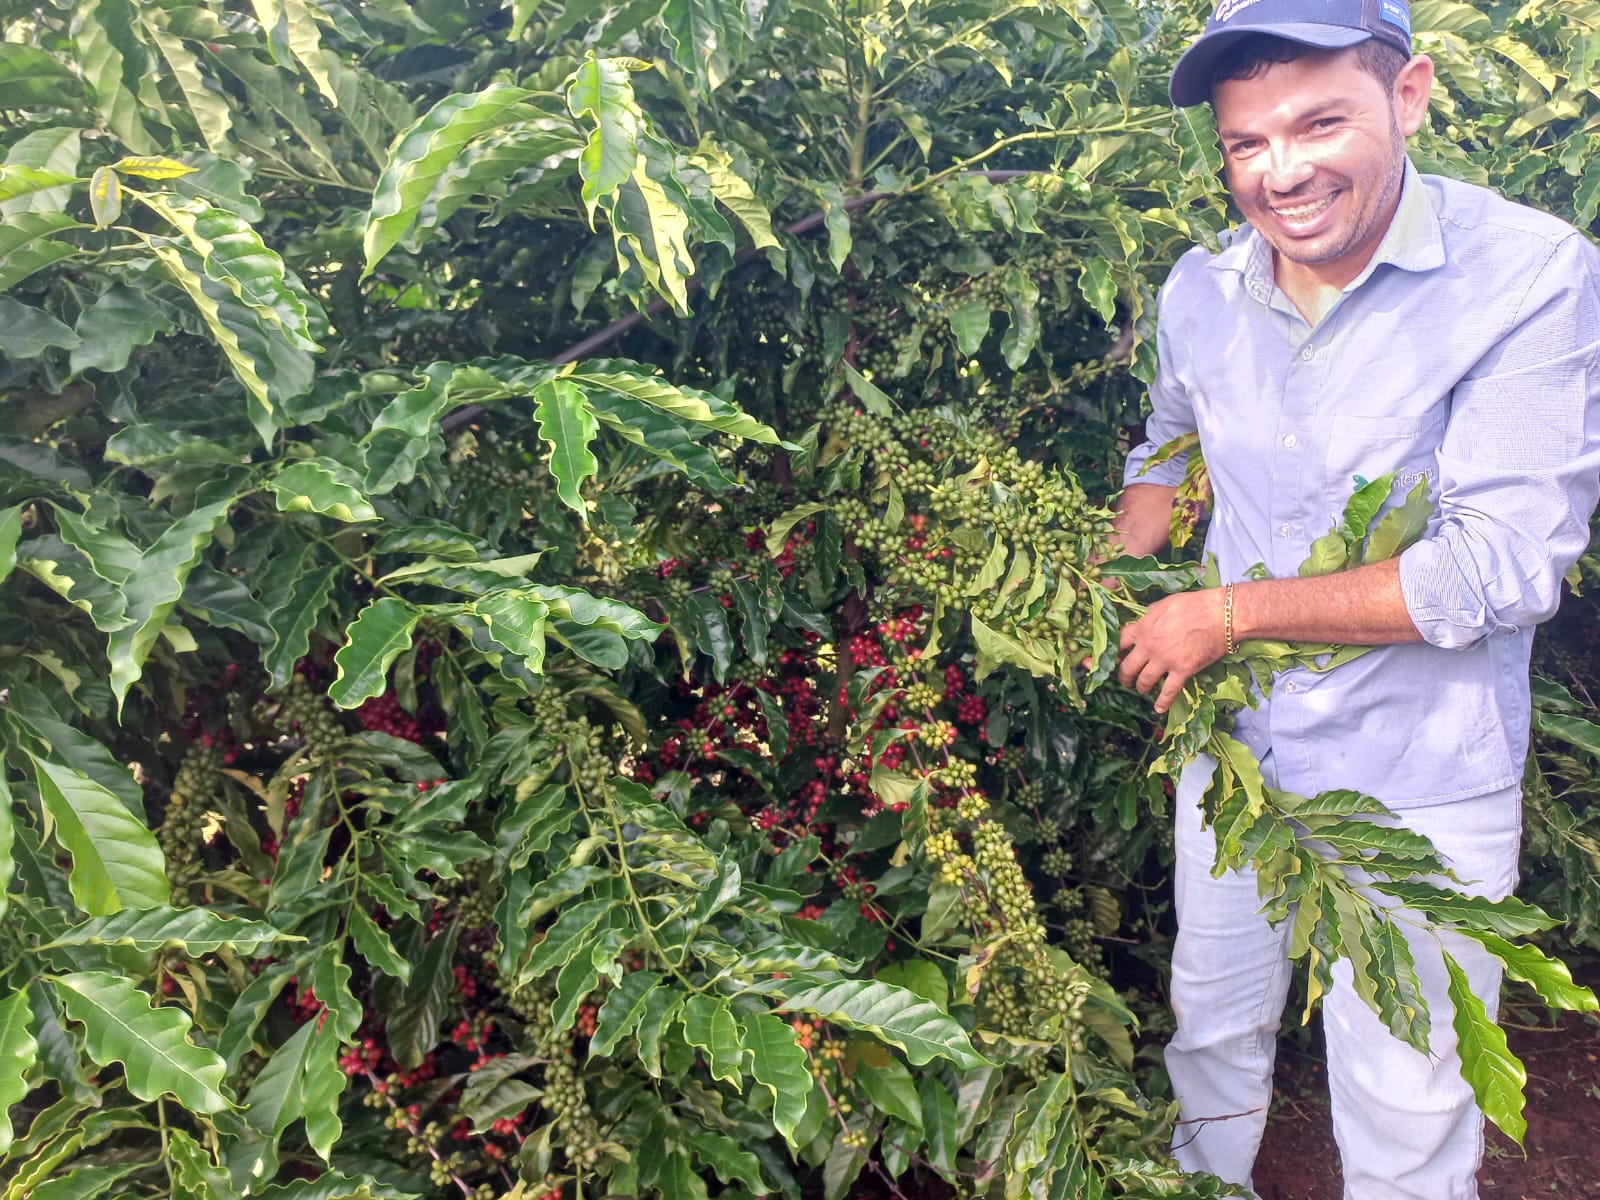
[564, 1099]
[474, 895]
[479, 461]
[304, 712]
[194, 788]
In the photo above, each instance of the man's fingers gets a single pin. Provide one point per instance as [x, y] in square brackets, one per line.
[1132, 663]
[1128, 635]
[1171, 691]
[1150, 676]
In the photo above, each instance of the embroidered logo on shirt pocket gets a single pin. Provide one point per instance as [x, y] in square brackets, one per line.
[1372, 446]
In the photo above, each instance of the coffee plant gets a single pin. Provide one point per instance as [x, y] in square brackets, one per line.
[559, 630]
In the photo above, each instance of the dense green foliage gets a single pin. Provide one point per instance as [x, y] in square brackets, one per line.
[546, 553]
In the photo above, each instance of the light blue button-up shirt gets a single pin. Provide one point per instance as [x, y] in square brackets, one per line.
[1468, 351]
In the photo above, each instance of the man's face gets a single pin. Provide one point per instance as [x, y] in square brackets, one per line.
[1315, 154]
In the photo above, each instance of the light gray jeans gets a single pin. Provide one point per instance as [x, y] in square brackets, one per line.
[1406, 1123]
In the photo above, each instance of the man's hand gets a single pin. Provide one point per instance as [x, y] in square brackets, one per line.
[1176, 638]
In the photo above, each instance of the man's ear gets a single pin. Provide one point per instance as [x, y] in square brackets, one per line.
[1412, 89]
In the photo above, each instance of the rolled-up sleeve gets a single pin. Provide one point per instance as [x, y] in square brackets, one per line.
[1519, 467]
[1171, 412]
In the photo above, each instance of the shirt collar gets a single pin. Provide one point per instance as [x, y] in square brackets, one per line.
[1413, 242]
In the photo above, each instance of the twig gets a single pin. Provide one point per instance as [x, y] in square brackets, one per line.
[867, 1159]
[415, 1131]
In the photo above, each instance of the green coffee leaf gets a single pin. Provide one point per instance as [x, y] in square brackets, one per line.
[1199, 152]
[624, 1006]
[891, 1089]
[969, 322]
[277, 1098]
[19, 184]
[1329, 553]
[151, 1043]
[567, 424]
[1547, 976]
[27, 244]
[330, 983]
[321, 485]
[492, 1095]
[294, 593]
[1493, 1072]
[227, 321]
[324, 1084]
[1575, 731]
[1365, 504]
[196, 930]
[62, 742]
[939, 1122]
[120, 320]
[660, 1009]
[1395, 987]
[226, 603]
[194, 1175]
[332, 1185]
[736, 195]
[1400, 527]
[414, 1022]
[1146, 574]
[872, 397]
[1029, 1145]
[153, 590]
[516, 622]
[569, 935]
[892, 1014]
[1507, 917]
[1098, 287]
[727, 1158]
[233, 254]
[779, 1065]
[600, 93]
[380, 633]
[374, 945]
[249, 1010]
[27, 332]
[425, 151]
[116, 863]
[18, 1053]
[687, 403]
[209, 109]
[708, 1023]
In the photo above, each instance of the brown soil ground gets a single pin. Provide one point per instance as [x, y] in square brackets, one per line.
[1299, 1160]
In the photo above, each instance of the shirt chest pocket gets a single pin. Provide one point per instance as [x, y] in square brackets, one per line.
[1361, 448]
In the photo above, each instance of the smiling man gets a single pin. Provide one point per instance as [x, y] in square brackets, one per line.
[1367, 320]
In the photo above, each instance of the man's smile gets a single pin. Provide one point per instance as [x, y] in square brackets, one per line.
[1300, 215]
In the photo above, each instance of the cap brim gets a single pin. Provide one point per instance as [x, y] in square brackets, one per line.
[1191, 78]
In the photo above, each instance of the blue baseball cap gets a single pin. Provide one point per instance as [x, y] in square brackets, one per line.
[1326, 24]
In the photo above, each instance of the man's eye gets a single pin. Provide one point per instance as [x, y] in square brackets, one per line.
[1238, 148]
[1326, 123]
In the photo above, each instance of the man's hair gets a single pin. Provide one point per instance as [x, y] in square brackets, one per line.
[1256, 54]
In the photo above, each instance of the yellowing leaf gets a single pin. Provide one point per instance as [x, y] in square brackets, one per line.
[151, 167]
[105, 197]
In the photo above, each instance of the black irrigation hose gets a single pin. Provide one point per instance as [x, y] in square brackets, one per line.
[616, 329]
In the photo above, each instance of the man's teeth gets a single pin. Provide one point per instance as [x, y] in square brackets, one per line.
[1304, 212]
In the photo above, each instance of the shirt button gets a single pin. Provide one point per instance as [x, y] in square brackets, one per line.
[1290, 440]
[1284, 530]
[1308, 353]
[1291, 686]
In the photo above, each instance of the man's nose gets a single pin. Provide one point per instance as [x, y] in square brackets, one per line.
[1288, 168]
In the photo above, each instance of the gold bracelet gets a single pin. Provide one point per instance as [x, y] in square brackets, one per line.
[1227, 620]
